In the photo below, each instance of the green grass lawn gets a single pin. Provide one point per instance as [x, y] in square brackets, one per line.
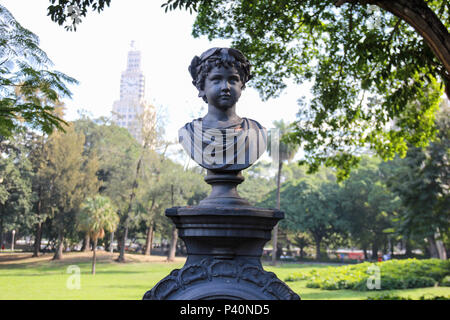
[47, 280]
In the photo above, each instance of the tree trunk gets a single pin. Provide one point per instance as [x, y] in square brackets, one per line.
[275, 229]
[391, 247]
[440, 246]
[37, 240]
[432, 247]
[318, 240]
[134, 187]
[375, 251]
[38, 235]
[59, 250]
[86, 243]
[94, 258]
[151, 239]
[111, 246]
[148, 240]
[2, 235]
[408, 249]
[123, 241]
[441, 250]
[173, 245]
[366, 256]
[318, 255]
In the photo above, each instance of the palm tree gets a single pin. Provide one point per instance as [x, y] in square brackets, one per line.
[286, 151]
[97, 215]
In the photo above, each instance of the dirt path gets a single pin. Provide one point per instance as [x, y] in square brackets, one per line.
[74, 257]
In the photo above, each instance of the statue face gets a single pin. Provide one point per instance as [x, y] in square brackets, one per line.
[223, 87]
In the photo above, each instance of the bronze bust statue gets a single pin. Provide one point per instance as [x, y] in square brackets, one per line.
[222, 140]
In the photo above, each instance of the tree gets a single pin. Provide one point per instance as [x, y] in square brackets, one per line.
[38, 159]
[302, 241]
[258, 183]
[15, 185]
[73, 9]
[422, 180]
[159, 190]
[286, 151]
[71, 178]
[169, 185]
[97, 215]
[368, 206]
[186, 188]
[29, 89]
[151, 132]
[118, 154]
[313, 207]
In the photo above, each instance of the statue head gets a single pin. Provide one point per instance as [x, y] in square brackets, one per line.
[221, 140]
[218, 57]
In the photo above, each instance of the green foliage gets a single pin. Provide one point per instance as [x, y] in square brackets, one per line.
[66, 170]
[159, 184]
[70, 177]
[29, 89]
[445, 282]
[117, 154]
[286, 150]
[257, 184]
[167, 186]
[421, 181]
[73, 9]
[97, 214]
[368, 207]
[395, 274]
[15, 184]
[395, 297]
[310, 205]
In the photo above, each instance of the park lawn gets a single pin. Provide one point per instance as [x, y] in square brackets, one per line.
[47, 280]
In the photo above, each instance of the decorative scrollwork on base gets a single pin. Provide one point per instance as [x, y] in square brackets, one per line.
[193, 280]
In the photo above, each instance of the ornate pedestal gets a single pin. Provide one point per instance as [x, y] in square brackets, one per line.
[224, 238]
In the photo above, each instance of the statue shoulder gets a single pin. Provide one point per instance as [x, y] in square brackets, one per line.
[189, 127]
[252, 124]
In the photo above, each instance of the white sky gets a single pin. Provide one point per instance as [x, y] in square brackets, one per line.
[96, 54]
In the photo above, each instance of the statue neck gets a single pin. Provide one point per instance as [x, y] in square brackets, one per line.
[216, 118]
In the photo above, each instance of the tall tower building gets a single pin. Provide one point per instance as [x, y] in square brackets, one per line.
[130, 110]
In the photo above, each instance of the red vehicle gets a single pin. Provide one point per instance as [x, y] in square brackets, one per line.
[350, 254]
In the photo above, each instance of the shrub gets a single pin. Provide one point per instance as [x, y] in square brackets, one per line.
[394, 274]
[388, 297]
[445, 282]
[395, 297]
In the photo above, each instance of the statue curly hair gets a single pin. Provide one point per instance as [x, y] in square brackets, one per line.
[218, 57]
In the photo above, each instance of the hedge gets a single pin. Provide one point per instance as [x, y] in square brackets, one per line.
[392, 274]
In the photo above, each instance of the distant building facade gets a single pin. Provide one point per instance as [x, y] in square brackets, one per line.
[131, 110]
